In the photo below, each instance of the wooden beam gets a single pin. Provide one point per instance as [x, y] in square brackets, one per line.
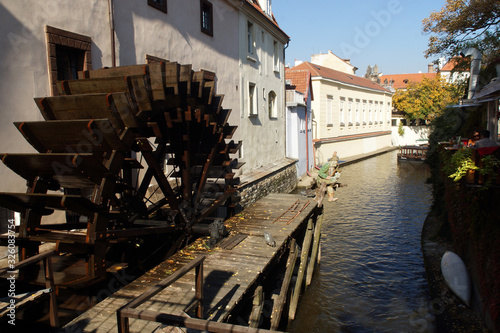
[193, 323]
[287, 279]
[306, 245]
[158, 173]
[258, 304]
[315, 250]
[49, 283]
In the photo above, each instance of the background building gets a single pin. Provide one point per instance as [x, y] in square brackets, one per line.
[351, 114]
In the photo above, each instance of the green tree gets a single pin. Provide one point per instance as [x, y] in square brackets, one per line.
[461, 24]
[427, 99]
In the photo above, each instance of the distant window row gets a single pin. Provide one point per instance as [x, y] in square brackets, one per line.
[350, 111]
[206, 14]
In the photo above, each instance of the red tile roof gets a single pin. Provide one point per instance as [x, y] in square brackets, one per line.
[450, 65]
[256, 5]
[332, 74]
[300, 80]
[401, 80]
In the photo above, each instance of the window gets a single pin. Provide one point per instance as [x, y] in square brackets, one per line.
[364, 112]
[394, 122]
[159, 4]
[276, 56]
[250, 38]
[69, 62]
[329, 110]
[273, 110]
[370, 116]
[252, 99]
[68, 54]
[375, 113]
[357, 112]
[388, 111]
[341, 111]
[381, 115]
[349, 112]
[207, 23]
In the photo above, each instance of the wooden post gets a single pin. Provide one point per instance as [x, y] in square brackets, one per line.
[280, 301]
[49, 283]
[199, 290]
[315, 250]
[303, 265]
[258, 304]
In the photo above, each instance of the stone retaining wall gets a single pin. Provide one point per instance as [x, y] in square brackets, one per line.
[281, 177]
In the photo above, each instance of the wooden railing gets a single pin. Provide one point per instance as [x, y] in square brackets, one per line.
[129, 310]
[49, 280]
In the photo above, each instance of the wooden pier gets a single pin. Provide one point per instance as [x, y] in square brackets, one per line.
[231, 287]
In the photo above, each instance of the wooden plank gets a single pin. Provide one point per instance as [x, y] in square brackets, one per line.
[306, 245]
[185, 78]
[230, 242]
[49, 283]
[65, 169]
[36, 201]
[315, 250]
[279, 303]
[116, 71]
[58, 136]
[258, 304]
[92, 106]
[97, 85]
[157, 78]
[172, 73]
[192, 323]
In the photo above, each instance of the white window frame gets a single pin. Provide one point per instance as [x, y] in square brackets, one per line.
[272, 104]
[341, 111]
[349, 111]
[389, 112]
[364, 112]
[250, 39]
[357, 112]
[329, 110]
[276, 56]
[253, 109]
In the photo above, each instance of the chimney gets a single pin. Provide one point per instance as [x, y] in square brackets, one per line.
[268, 7]
[430, 68]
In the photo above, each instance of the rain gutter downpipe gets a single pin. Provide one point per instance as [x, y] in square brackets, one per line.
[112, 31]
[474, 68]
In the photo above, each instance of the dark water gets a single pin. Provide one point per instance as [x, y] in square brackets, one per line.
[371, 277]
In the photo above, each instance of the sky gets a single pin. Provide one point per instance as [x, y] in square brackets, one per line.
[387, 33]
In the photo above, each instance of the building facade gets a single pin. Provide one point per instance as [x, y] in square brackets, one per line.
[351, 115]
[262, 86]
[299, 140]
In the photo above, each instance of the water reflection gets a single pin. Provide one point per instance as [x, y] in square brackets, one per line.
[371, 277]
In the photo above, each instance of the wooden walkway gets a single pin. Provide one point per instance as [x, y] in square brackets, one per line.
[230, 271]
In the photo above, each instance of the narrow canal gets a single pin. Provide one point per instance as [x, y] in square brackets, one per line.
[371, 277]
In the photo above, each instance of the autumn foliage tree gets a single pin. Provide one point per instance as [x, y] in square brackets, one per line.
[462, 24]
[427, 99]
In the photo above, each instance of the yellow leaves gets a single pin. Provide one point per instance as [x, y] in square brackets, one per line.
[426, 99]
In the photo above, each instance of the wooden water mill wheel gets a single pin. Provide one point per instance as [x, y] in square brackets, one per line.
[111, 142]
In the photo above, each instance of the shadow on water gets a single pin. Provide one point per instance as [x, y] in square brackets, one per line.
[372, 277]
